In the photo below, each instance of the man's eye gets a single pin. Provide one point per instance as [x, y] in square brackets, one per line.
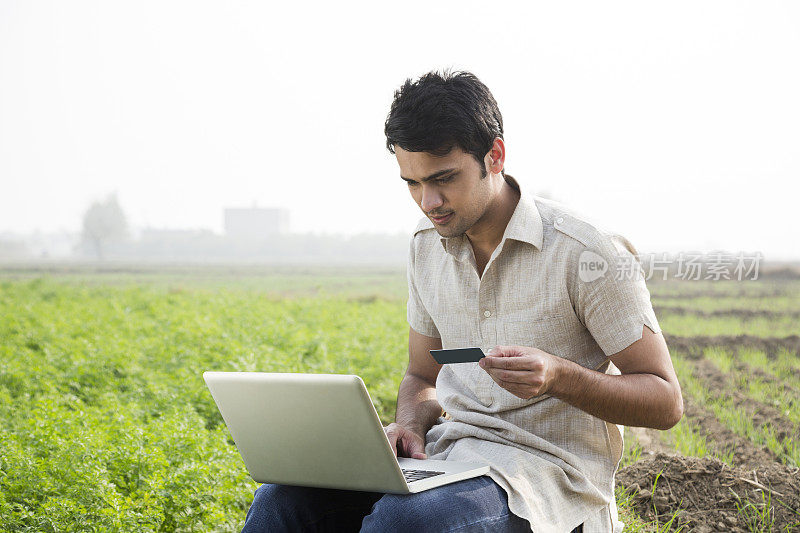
[412, 183]
[448, 179]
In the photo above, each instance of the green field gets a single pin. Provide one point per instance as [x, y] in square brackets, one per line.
[106, 424]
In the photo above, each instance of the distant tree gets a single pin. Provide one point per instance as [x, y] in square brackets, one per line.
[104, 224]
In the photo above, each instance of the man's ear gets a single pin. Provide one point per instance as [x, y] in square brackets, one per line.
[496, 158]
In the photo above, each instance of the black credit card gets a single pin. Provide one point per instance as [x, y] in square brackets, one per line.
[457, 355]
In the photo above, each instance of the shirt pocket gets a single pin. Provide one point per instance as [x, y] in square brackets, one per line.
[552, 334]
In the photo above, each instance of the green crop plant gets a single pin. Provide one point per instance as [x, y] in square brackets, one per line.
[786, 365]
[687, 325]
[666, 524]
[625, 499]
[632, 451]
[106, 424]
[741, 422]
[105, 421]
[728, 413]
[721, 357]
[755, 359]
[709, 304]
[771, 393]
[689, 440]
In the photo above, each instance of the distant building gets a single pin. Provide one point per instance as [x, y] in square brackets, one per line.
[254, 223]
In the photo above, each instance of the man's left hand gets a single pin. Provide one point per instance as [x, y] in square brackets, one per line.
[522, 371]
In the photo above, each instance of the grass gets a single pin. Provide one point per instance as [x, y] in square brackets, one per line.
[786, 365]
[757, 516]
[389, 282]
[675, 288]
[708, 304]
[691, 326]
[721, 357]
[627, 515]
[632, 451]
[665, 524]
[771, 393]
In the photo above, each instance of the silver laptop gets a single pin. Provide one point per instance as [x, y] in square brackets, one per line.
[320, 430]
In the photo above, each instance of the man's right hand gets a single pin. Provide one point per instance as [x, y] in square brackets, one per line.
[405, 443]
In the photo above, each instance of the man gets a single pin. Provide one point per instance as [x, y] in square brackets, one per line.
[575, 350]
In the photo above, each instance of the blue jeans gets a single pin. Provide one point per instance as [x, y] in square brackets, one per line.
[476, 504]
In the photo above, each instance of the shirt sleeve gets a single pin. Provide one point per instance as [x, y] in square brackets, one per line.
[610, 296]
[418, 317]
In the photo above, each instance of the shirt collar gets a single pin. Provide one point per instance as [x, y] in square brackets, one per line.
[526, 222]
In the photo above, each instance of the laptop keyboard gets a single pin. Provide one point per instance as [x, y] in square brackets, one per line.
[416, 475]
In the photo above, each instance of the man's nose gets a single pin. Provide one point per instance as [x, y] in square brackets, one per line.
[431, 199]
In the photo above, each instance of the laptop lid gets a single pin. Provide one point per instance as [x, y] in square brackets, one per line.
[315, 430]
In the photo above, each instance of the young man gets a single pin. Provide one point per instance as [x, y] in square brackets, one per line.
[575, 350]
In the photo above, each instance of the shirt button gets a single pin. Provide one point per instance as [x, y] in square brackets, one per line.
[487, 313]
[560, 220]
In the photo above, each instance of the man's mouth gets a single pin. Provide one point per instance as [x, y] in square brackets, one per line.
[442, 219]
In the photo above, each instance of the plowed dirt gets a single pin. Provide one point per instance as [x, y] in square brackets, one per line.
[724, 441]
[708, 494]
[745, 314]
[761, 413]
[694, 346]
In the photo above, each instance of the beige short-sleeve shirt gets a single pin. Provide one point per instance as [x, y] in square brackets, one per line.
[545, 286]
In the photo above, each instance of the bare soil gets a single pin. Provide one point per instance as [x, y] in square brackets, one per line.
[744, 314]
[685, 294]
[705, 493]
[694, 346]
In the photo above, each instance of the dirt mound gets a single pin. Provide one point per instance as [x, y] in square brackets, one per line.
[708, 495]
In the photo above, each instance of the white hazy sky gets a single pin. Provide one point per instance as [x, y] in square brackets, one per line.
[676, 124]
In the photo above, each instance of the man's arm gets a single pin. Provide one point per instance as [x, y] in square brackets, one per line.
[417, 407]
[646, 394]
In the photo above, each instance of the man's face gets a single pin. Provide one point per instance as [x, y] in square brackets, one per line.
[448, 188]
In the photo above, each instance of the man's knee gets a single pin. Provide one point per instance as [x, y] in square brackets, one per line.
[276, 496]
[477, 504]
[285, 507]
[274, 506]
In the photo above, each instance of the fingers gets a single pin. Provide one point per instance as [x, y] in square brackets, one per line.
[522, 377]
[527, 362]
[507, 351]
[413, 446]
[391, 434]
[523, 384]
[405, 443]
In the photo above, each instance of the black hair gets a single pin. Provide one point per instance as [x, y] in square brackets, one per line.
[443, 110]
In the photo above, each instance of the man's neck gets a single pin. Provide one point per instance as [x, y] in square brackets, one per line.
[485, 238]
